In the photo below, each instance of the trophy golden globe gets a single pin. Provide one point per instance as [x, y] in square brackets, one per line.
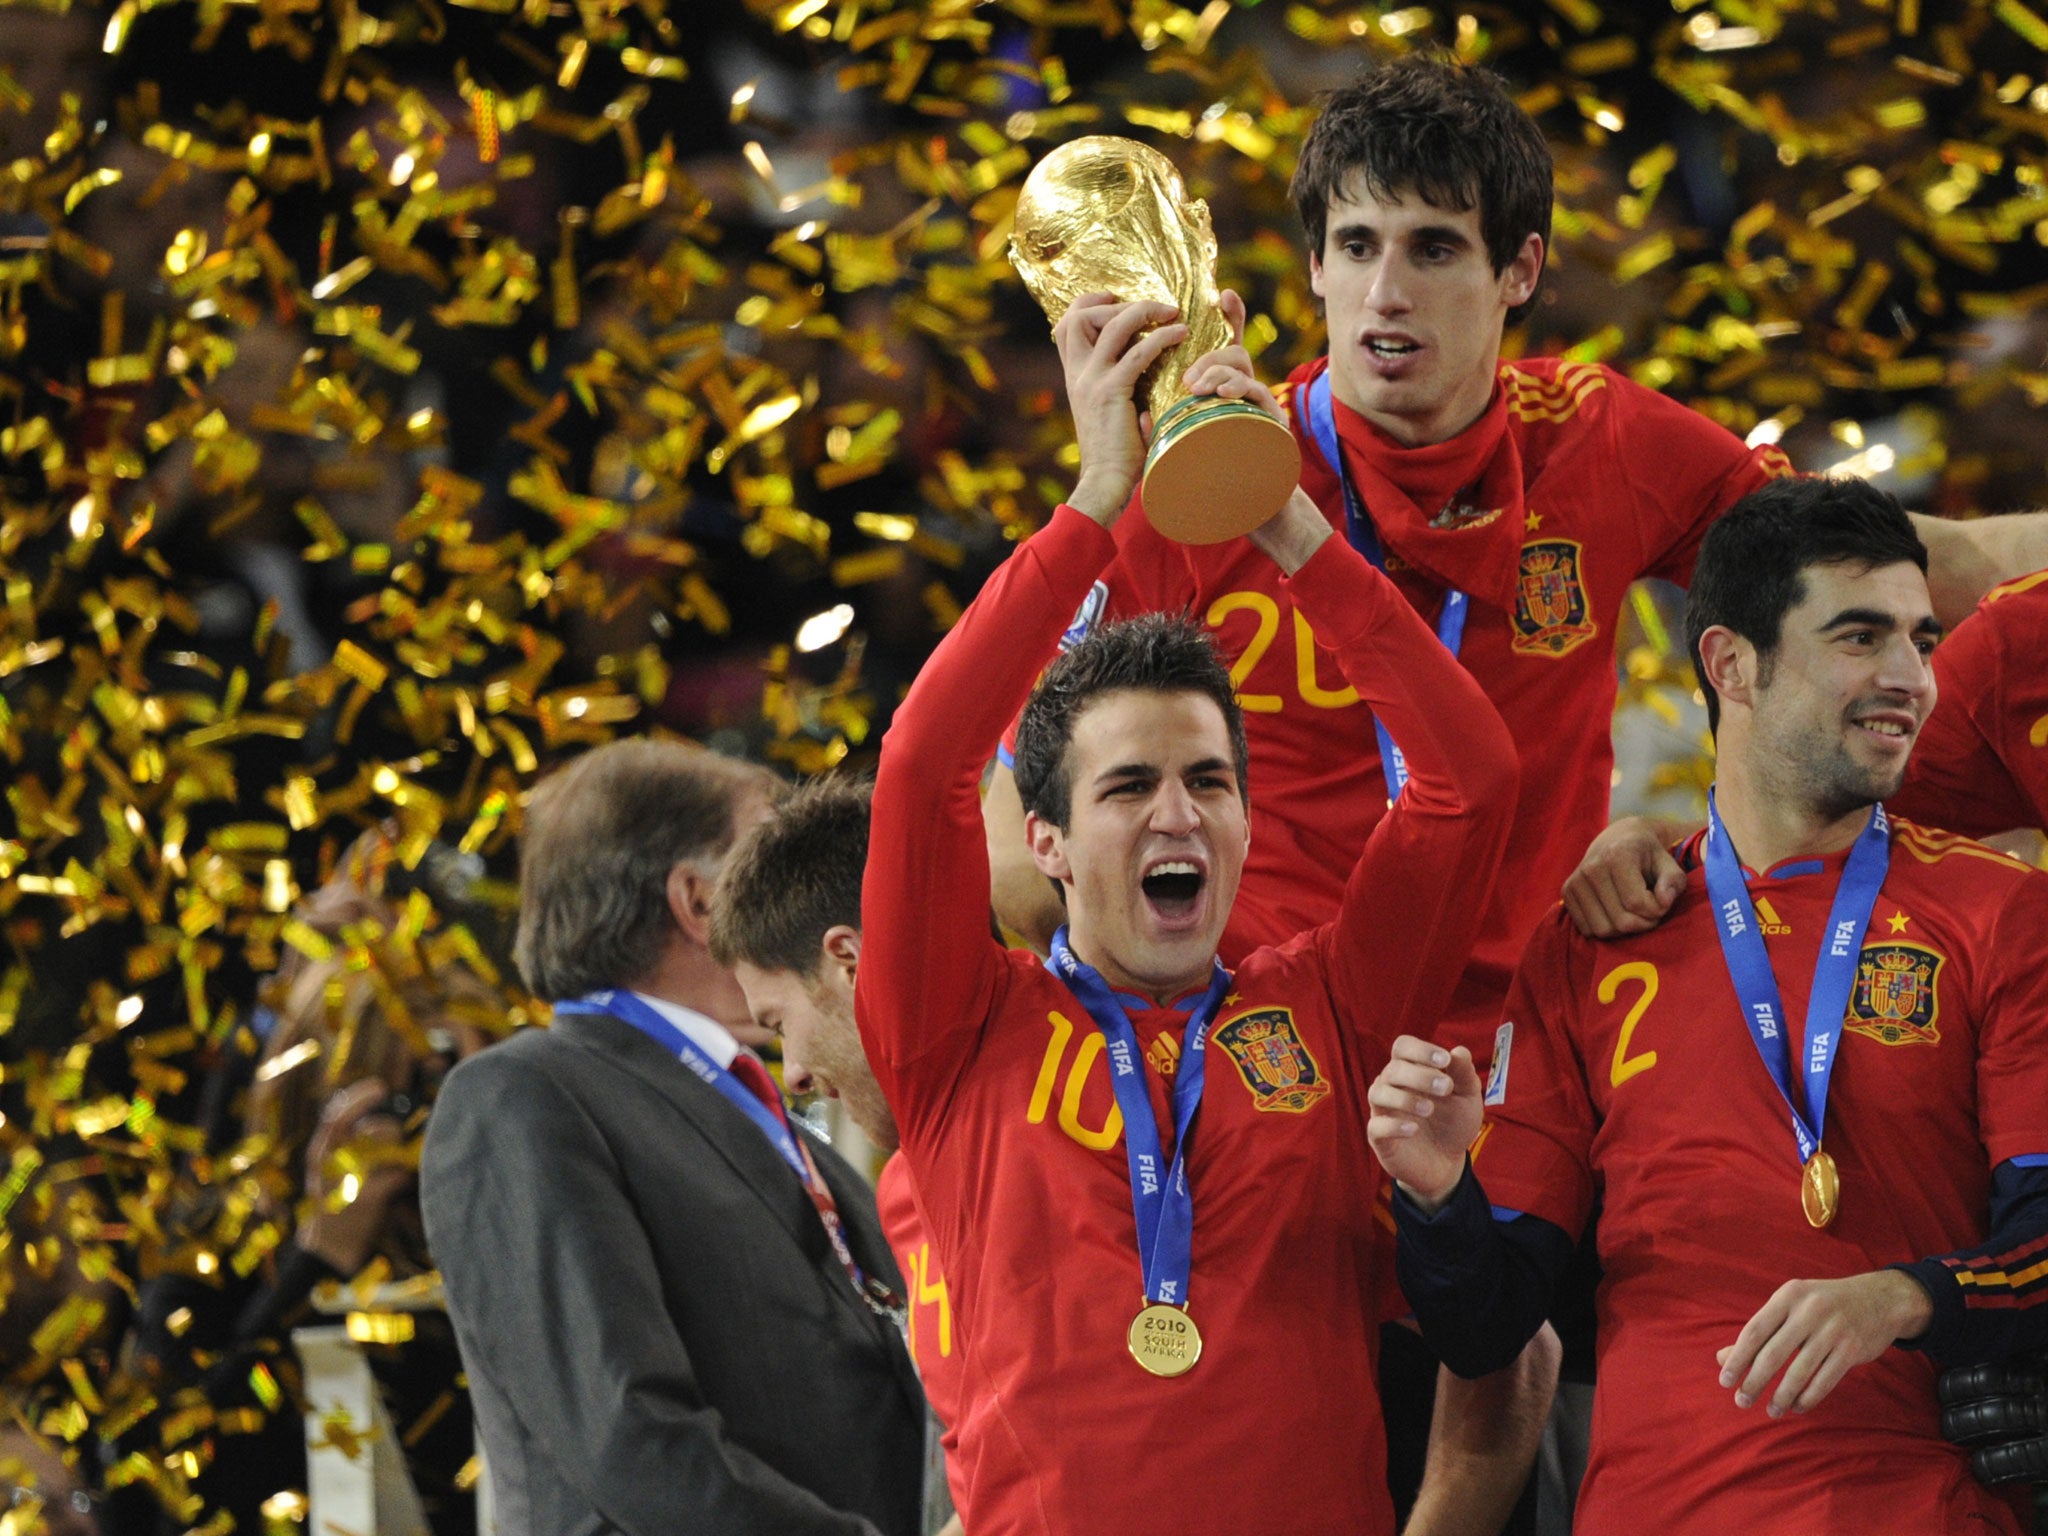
[1109, 215]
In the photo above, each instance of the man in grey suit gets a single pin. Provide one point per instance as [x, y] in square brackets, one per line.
[672, 1301]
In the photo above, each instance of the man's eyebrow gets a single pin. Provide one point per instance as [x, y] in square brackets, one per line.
[1877, 618]
[1128, 771]
[1441, 234]
[1211, 765]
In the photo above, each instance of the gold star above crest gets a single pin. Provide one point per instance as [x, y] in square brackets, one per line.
[1230, 999]
[1898, 921]
[1533, 521]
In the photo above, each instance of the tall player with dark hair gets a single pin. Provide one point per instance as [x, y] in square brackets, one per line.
[1813, 1103]
[1145, 1172]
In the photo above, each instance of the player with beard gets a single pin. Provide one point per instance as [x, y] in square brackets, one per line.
[1813, 1103]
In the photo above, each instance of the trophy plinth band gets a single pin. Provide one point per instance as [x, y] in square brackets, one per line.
[1217, 469]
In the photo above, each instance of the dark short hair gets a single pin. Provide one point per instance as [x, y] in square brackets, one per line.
[793, 878]
[1449, 133]
[1155, 653]
[1751, 568]
[594, 858]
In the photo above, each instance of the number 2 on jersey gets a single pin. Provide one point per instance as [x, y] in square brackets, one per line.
[1625, 1065]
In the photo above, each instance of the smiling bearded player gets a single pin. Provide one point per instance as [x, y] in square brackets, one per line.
[1158, 1267]
[1830, 1062]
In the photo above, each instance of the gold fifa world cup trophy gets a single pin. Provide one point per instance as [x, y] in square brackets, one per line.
[1109, 215]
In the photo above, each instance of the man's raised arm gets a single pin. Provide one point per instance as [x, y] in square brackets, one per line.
[1413, 904]
[927, 961]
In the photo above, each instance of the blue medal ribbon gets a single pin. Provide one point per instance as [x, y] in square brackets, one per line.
[1450, 623]
[643, 1016]
[1163, 1206]
[1834, 975]
[629, 1008]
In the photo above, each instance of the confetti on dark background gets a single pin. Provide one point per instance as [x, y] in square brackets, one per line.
[396, 398]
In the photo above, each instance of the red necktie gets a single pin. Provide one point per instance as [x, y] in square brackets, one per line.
[748, 1068]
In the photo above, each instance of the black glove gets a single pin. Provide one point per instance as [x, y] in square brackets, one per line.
[2000, 1411]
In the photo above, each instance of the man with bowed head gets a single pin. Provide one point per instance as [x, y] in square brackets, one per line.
[1812, 1105]
[786, 918]
[1146, 1174]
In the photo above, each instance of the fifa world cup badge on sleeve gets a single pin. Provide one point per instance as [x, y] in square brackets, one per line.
[1497, 1079]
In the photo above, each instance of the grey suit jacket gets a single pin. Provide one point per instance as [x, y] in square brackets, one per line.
[657, 1334]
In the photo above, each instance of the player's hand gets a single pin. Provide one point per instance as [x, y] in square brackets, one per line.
[1426, 1111]
[1105, 346]
[1626, 882]
[1816, 1332]
[1227, 373]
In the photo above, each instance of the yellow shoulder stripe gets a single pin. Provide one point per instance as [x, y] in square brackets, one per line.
[1931, 847]
[1533, 399]
[2016, 586]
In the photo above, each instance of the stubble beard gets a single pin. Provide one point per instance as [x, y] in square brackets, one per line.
[1836, 785]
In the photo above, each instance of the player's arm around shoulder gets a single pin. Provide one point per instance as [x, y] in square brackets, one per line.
[1968, 557]
[1627, 881]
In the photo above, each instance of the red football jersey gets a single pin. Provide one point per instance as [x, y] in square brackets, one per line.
[1000, 1083]
[1574, 483]
[1981, 763]
[1631, 1076]
[931, 1330]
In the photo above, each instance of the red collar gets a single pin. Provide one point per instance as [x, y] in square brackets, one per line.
[1454, 509]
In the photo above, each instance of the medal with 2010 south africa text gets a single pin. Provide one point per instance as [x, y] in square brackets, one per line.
[1165, 1340]
[1834, 978]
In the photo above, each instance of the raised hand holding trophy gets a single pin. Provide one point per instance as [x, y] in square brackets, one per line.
[1110, 215]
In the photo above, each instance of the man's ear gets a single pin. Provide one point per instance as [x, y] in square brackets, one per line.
[841, 951]
[1048, 847]
[689, 902]
[1315, 274]
[1519, 278]
[1728, 661]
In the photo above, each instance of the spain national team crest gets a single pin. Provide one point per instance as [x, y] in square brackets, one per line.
[1276, 1065]
[1550, 599]
[1894, 1002]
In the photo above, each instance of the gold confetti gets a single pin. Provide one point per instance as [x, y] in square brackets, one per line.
[799, 354]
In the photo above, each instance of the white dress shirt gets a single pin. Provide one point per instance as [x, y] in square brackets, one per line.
[707, 1034]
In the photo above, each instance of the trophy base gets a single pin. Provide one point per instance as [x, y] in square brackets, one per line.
[1217, 470]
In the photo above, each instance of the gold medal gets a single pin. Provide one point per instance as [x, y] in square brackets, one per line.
[1820, 1189]
[1165, 1340]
